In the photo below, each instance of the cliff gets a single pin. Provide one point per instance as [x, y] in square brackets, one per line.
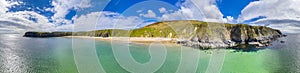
[191, 33]
[47, 34]
[209, 34]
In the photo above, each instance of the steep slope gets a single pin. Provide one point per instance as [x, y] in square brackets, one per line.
[209, 34]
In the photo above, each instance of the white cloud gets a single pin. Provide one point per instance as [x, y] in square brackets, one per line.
[20, 22]
[181, 14]
[4, 5]
[280, 14]
[68, 27]
[149, 14]
[139, 11]
[49, 9]
[103, 20]
[162, 10]
[62, 7]
[229, 19]
[204, 10]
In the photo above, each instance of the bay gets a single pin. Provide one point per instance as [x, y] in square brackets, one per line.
[55, 55]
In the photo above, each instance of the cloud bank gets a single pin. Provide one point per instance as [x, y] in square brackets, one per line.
[204, 10]
[103, 20]
[279, 14]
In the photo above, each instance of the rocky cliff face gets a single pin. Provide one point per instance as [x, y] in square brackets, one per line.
[212, 35]
[235, 35]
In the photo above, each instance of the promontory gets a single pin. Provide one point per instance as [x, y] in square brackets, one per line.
[191, 33]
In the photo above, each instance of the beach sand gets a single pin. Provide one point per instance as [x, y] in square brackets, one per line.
[138, 40]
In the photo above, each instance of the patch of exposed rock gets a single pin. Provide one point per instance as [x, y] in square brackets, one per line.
[234, 37]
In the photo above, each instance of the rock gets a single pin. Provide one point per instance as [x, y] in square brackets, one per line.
[195, 39]
[106, 34]
[284, 35]
[256, 43]
[259, 36]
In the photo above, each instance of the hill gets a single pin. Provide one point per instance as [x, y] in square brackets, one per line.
[195, 33]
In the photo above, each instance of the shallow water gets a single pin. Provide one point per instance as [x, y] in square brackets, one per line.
[55, 55]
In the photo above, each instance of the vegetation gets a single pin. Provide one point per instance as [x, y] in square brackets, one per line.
[182, 29]
[47, 34]
[189, 33]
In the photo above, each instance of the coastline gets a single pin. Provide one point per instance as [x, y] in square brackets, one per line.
[241, 36]
[179, 42]
[136, 40]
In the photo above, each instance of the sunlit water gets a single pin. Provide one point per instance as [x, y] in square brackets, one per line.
[54, 55]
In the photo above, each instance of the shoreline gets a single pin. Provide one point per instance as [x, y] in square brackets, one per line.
[189, 43]
[135, 40]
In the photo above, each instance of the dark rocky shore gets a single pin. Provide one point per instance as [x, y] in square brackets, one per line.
[238, 36]
[260, 42]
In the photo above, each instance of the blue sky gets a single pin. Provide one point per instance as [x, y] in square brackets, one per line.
[121, 5]
[56, 15]
[34, 5]
[232, 7]
[227, 7]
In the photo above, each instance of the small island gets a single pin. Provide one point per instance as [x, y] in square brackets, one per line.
[192, 33]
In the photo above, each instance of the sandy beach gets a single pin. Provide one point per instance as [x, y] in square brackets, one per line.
[142, 40]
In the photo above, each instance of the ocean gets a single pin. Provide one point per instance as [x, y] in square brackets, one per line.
[72, 55]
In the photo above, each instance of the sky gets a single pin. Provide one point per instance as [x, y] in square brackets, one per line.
[17, 16]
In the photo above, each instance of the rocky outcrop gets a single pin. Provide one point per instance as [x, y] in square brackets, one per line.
[233, 36]
[47, 34]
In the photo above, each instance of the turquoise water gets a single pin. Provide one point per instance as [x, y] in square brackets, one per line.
[55, 55]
